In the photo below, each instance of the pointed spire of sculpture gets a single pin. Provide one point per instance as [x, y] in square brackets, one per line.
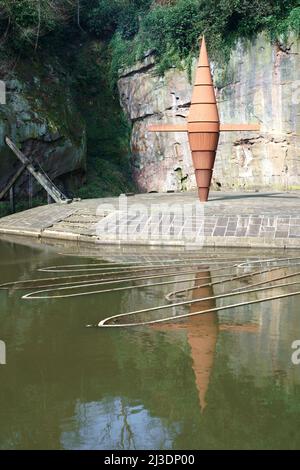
[203, 75]
[203, 91]
[203, 124]
[203, 57]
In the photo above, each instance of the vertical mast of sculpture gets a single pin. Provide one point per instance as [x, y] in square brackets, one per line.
[203, 125]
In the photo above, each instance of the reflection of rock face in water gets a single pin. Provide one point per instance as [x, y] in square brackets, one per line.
[257, 328]
[266, 328]
[141, 388]
[153, 296]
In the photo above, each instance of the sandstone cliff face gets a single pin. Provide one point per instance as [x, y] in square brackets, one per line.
[261, 83]
[41, 117]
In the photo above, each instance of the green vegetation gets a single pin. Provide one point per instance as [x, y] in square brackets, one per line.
[173, 29]
[25, 22]
[131, 27]
[108, 132]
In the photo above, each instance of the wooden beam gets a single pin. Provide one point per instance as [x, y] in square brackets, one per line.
[168, 128]
[38, 173]
[239, 127]
[12, 199]
[30, 190]
[12, 181]
[184, 128]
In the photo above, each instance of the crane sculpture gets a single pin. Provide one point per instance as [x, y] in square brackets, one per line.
[203, 125]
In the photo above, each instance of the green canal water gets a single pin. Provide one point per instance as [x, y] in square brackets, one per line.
[218, 381]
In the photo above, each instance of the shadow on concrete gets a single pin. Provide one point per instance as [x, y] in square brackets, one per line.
[253, 196]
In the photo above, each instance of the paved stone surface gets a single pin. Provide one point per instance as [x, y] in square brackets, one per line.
[229, 219]
[35, 220]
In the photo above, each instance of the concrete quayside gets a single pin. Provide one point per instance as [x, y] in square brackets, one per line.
[269, 219]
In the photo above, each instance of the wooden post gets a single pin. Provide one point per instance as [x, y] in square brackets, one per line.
[49, 199]
[12, 199]
[30, 191]
[12, 181]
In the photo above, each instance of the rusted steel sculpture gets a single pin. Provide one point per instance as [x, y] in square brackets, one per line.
[203, 125]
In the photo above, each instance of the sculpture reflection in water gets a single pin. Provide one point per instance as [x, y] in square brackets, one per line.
[202, 333]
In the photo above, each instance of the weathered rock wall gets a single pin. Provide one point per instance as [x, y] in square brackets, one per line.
[261, 82]
[41, 117]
